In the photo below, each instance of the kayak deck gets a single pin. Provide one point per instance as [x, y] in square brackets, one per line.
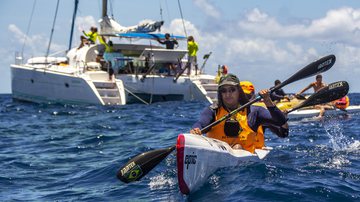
[308, 113]
[198, 157]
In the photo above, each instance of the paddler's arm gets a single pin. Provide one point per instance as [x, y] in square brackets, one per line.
[305, 89]
[278, 95]
[275, 114]
[206, 117]
[280, 131]
[271, 116]
[275, 96]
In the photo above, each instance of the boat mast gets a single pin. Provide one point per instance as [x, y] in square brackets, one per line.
[73, 23]
[104, 8]
[52, 29]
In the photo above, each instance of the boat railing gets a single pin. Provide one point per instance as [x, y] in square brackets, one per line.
[164, 56]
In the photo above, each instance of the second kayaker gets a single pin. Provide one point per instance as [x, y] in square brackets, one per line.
[244, 130]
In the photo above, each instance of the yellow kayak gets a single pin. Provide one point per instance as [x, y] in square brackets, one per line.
[283, 104]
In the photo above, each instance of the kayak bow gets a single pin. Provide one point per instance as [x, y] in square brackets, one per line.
[198, 157]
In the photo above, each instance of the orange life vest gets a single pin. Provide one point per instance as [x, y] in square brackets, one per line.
[342, 103]
[247, 138]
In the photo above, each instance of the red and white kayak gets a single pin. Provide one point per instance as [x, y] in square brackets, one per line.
[198, 157]
[309, 113]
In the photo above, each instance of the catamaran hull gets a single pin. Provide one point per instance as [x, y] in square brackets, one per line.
[198, 157]
[44, 86]
[162, 88]
[309, 113]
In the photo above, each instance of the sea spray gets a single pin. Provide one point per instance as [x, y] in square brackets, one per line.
[334, 130]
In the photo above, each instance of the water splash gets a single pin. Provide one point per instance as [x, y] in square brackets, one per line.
[336, 162]
[334, 130]
[354, 147]
[161, 181]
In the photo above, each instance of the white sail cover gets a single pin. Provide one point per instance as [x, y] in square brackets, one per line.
[109, 26]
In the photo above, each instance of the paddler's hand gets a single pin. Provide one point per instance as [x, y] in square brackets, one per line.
[287, 98]
[265, 94]
[195, 131]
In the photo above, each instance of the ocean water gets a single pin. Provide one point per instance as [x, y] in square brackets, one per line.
[72, 153]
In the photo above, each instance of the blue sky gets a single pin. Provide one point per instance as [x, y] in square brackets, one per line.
[259, 40]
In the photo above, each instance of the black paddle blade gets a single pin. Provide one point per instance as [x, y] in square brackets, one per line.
[329, 93]
[141, 164]
[317, 67]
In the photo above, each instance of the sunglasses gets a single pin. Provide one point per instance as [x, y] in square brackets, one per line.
[225, 90]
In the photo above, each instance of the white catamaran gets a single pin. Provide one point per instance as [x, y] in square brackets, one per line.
[82, 78]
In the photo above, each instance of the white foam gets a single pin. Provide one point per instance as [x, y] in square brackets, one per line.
[354, 147]
[161, 181]
[336, 162]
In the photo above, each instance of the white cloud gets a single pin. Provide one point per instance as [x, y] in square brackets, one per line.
[258, 44]
[37, 44]
[177, 27]
[207, 8]
[294, 48]
[85, 22]
[341, 24]
[257, 16]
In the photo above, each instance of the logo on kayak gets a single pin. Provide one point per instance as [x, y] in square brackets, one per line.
[131, 172]
[327, 62]
[336, 85]
[190, 159]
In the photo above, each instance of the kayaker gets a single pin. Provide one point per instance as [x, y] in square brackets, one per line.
[278, 94]
[244, 130]
[317, 85]
[222, 71]
[248, 89]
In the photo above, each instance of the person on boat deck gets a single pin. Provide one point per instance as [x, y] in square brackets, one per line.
[109, 58]
[317, 85]
[84, 42]
[170, 44]
[192, 52]
[244, 130]
[93, 35]
[278, 94]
